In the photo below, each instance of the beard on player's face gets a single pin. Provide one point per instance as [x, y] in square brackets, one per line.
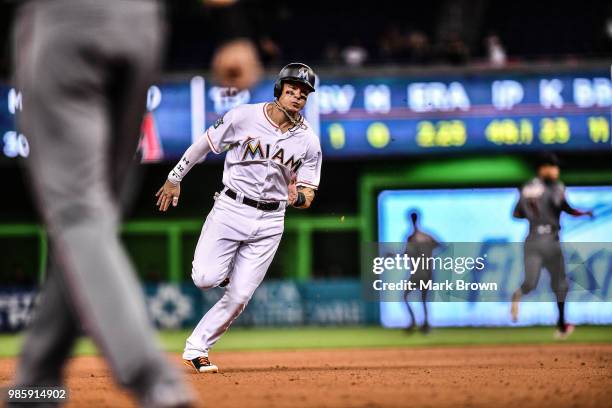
[293, 97]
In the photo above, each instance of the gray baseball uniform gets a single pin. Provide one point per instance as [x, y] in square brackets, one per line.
[84, 67]
[420, 244]
[541, 204]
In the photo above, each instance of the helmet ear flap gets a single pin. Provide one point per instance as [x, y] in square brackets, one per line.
[278, 88]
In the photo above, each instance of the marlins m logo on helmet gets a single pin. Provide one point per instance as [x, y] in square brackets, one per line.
[303, 73]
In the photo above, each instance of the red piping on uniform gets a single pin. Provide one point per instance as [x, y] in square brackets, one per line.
[210, 143]
[267, 117]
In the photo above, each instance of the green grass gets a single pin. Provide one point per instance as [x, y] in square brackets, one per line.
[347, 337]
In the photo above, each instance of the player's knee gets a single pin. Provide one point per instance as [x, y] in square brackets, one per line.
[561, 288]
[205, 278]
[78, 213]
[527, 287]
[240, 295]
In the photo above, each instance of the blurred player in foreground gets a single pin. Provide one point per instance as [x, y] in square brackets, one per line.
[84, 67]
[419, 244]
[273, 160]
[542, 200]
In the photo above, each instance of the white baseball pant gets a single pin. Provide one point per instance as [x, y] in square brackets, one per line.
[238, 241]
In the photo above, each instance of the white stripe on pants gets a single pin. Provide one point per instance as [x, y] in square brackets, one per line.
[236, 241]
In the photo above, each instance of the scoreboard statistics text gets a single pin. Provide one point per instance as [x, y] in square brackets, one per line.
[396, 116]
[392, 115]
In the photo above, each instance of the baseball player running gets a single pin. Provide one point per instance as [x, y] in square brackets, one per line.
[541, 202]
[419, 243]
[273, 160]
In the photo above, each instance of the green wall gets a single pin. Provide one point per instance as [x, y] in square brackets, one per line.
[171, 242]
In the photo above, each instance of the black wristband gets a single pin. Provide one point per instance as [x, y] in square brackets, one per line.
[300, 200]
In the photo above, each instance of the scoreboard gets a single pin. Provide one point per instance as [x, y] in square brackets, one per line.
[402, 115]
[370, 116]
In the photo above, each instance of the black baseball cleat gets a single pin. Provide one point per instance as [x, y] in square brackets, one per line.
[202, 365]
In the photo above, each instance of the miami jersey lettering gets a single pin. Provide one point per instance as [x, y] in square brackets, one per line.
[254, 151]
[248, 135]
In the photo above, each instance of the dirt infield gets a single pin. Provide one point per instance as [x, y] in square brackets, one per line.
[526, 376]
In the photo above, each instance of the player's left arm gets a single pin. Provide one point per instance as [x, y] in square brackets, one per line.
[306, 196]
[574, 211]
[300, 197]
[519, 208]
[308, 176]
[565, 206]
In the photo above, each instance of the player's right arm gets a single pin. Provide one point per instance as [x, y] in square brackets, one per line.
[518, 209]
[171, 190]
[527, 205]
[216, 139]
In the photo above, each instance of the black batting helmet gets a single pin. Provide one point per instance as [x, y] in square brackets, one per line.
[547, 159]
[295, 72]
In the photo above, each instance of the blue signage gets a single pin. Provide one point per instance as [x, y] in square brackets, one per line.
[481, 220]
[395, 115]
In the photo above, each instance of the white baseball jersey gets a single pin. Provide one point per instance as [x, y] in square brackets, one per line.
[260, 159]
[239, 241]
